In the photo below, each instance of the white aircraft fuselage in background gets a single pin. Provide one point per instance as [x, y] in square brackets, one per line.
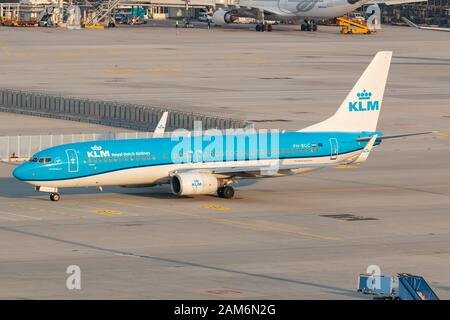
[286, 10]
[304, 9]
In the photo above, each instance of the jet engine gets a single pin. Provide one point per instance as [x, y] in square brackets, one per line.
[194, 183]
[222, 17]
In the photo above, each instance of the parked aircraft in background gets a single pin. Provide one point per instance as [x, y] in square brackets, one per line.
[279, 10]
[210, 163]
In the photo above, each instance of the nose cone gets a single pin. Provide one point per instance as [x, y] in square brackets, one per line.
[23, 172]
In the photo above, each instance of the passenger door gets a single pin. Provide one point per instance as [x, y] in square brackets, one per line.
[72, 160]
[334, 147]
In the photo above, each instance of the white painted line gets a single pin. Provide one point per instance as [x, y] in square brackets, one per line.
[20, 215]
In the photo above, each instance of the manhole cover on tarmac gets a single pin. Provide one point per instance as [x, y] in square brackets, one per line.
[347, 217]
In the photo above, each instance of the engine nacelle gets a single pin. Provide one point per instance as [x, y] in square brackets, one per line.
[194, 183]
[222, 17]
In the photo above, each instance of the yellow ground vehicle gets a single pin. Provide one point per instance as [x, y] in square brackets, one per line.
[350, 26]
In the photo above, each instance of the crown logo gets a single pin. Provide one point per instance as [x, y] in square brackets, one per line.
[364, 95]
[96, 148]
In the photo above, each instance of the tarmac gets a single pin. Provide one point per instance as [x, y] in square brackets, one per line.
[284, 238]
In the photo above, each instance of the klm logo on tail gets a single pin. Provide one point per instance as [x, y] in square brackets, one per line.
[365, 103]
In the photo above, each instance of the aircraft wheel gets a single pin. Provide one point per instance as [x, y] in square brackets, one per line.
[269, 27]
[55, 197]
[303, 27]
[314, 27]
[258, 27]
[228, 192]
[220, 192]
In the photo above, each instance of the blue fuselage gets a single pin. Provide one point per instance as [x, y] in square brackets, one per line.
[97, 158]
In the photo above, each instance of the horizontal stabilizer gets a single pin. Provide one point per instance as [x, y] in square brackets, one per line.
[395, 136]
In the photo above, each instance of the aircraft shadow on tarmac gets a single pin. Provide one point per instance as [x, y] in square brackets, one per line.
[12, 188]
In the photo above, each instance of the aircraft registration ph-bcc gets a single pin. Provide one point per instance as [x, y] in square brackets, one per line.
[192, 167]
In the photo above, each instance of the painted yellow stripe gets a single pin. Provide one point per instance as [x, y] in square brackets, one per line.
[443, 134]
[94, 27]
[162, 70]
[215, 207]
[345, 166]
[108, 212]
[121, 70]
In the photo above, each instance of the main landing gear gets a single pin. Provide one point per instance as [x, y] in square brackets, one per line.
[308, 25]
[263, 27]
[226, 192]
[55, 196]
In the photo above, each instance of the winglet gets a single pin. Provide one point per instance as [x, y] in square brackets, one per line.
[366, 151]
[161, 127]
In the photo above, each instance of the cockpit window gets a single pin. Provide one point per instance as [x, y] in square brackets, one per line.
[41, 160]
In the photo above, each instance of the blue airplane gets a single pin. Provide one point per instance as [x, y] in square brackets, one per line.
[210, 163]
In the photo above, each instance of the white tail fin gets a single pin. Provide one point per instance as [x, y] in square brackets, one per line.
[161, 127]
[361, 109]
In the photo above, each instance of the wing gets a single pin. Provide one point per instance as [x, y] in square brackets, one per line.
[265, 170]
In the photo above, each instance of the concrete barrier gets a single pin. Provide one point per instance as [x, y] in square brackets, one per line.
[108, 113]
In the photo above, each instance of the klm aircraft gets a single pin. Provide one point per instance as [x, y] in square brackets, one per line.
[210, 163]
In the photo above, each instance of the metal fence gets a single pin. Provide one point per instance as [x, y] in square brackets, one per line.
[116, 114]
[23, 147]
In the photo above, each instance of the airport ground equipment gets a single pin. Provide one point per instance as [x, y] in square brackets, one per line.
[103, 13]
[353, 27]
[401, 287]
